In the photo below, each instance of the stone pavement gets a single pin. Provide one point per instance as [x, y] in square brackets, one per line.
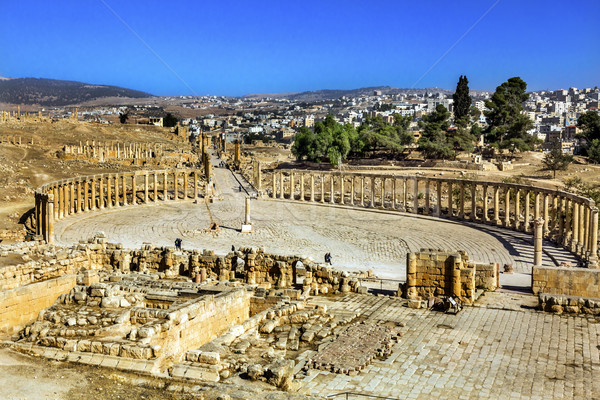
[480, 353]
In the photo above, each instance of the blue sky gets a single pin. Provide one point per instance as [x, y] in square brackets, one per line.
[234, 48]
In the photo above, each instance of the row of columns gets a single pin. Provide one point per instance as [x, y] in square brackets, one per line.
[58, 200]
[568, 220]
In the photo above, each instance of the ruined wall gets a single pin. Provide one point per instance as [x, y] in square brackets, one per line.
[486, 276]
[566, 281]
[20, 306]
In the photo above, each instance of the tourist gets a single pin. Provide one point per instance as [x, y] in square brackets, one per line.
[328, 258]
[178, 243]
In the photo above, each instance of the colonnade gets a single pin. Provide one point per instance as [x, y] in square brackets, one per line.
[569, 220]
[57, 200]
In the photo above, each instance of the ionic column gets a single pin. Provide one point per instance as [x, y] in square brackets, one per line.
[93, 196]
[427, 194]
[537, 242]
[582, 217]
[450, 200]
[545, 214]
[473, 216]
[394, 193]
[416, 196]
[560, 217]
[86, 194]
[341, 189]
[322, 188]
[461, 204]
[362, 190]
[146, 187]
[274, 188]
[517, 209]
[575, 228]
[124, 190]
[196, 185]
[536, 206]
[72, 197]
[302, 187]
[50, 219]
[382, 192]
[554, 214]
[372, 192]
[175, 185]
[438, 203]
[101, 192]
[352, 190]
[497, 205]
[185, 185]
[526, 222]
[312, 187]
[38, 213]
[293, 184]
[586, 230]
[332, 195]
[109, 200]
[507, 207]
[80, 206]
[568, 229]
[63, 200]
[117, 199]
[281, 195]
[405, 193]
[593, 258]
[485, 205]
[166, 186]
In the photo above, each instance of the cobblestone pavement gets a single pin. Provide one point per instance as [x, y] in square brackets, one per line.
[480, 353]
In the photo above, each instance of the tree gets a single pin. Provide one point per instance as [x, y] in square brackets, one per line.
[593, 151]
[462, 100]
[170, 120]
[434, 141]
[123, 117]
[589, 122]
[507, 127]
[556, 160]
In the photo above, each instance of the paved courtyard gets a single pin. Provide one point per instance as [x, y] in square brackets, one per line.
[480, 353]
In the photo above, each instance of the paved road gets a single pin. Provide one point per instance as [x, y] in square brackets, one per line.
[478, 354]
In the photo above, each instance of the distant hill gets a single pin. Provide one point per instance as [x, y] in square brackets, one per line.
[329, 94]
[52, 92]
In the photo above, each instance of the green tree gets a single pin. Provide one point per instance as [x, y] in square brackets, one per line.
[462, 100]
[593, 151]
[556, 160]
[123, 117]
[434, 141]
[170, 120]
[507, 126]
[589, 122]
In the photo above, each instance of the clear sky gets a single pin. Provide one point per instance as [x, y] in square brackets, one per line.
[229, 47]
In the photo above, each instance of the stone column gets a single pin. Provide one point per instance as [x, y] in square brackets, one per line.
[332, 192]
[497, 205]
[146, 187]
[301, 186]
[372, 191]
[185, 185]
[322, 188]
[61, 201]
[247, 215]
[507, 207]
[175, 185]
[352, 189]
[485, 218]
[293, 186]
[281, 195]
[362, 190]
[473, 215]
[382, 192]
[196, 185]
[80, 204]
[38, 213]
[517, 209]
[586, 230]
[166, 186]
[427, 196]
[101, 192]
[117, 199]
[461, 204]
[93, 195]
[575, 235]
[312, 187]
[568, 229]
[50, 219]
[86, 195]
[341, 189]
[450, 201]
[124, 190]
[581, 228]
[416, 196]
[545, 215]
[536, 205]
[411, 275]
[527, 206]
[438, 203]
[109, 202]
[71, 197]
[537, 242]
[593, 258]
[394, 193]
[274, 184]
[258, 176]
[405, 193]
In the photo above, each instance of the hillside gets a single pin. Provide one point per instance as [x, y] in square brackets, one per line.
[52, 92]
[328, 94]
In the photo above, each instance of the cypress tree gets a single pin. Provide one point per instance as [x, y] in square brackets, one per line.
[462, 100]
